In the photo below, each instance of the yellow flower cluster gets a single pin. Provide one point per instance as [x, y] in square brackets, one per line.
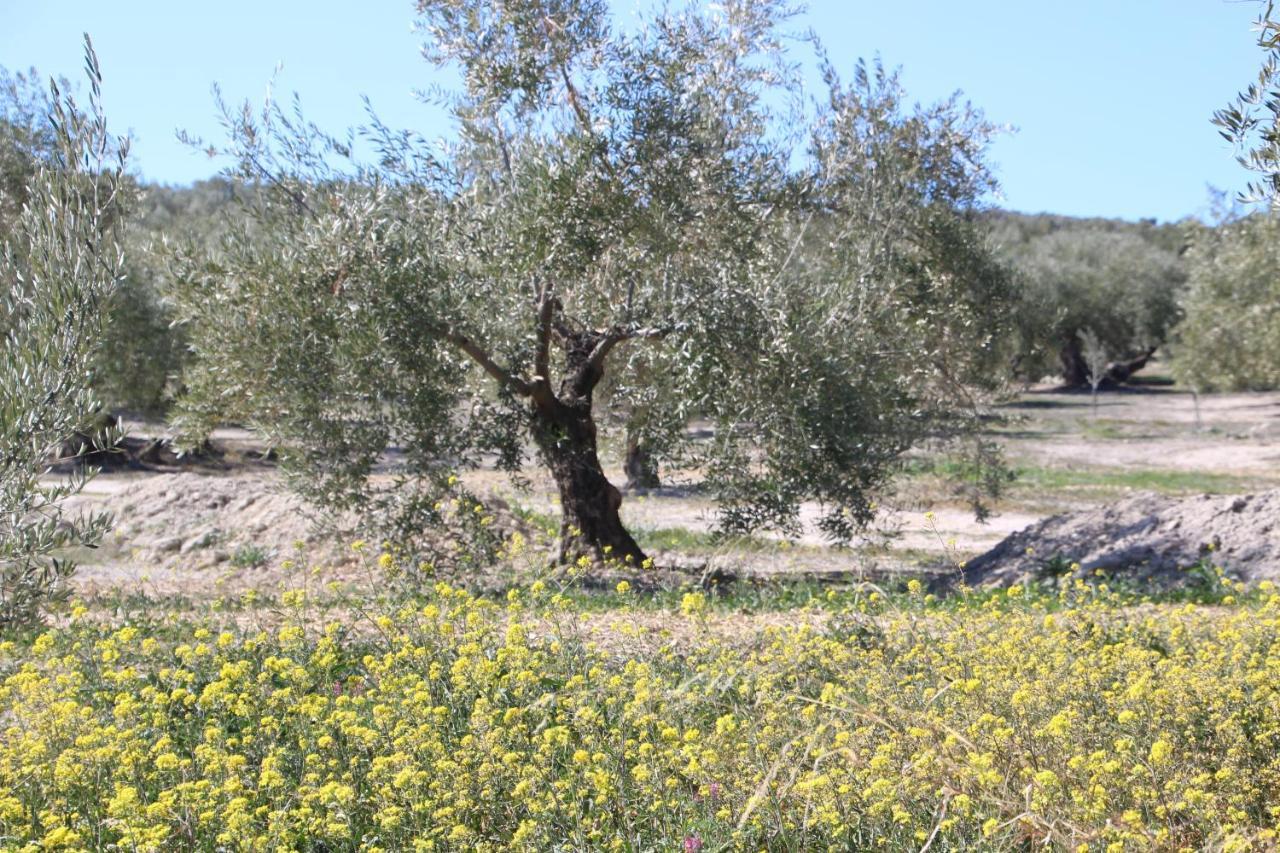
[1077, 721]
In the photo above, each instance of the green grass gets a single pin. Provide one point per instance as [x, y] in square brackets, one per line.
[1038, 482]
[685, 540]
[1046, 403]
[1042, 479]
[682, 539]
[1108, 429]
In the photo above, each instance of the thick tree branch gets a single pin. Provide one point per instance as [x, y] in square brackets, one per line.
[571, 92]
[615, 336]
[575, 102]
[548, 305]
[482, 358]
[562, 329]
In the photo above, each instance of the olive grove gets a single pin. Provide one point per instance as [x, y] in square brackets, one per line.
[661, 206]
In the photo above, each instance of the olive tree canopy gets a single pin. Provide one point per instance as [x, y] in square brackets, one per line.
[1230, 337]
[1119, 284]
[1252, 121]
[659, 204]
[60, 261]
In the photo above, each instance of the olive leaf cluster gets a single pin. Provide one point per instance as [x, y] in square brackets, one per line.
[1252, 121]
[59, 264]
[655, 222]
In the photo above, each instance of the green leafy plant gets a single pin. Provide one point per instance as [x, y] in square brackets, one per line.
[1053, 571]
[1206, 581]
[250, 556]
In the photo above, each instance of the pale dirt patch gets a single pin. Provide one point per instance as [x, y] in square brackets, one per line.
[202, 535]
[1241, 457]
[178, 531]
[1153, 429]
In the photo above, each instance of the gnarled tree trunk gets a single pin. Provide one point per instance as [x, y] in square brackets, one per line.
[564, 429]
[565, 432]
[1075, 372]
[1122, 371]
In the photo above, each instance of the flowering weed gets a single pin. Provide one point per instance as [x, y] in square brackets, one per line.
[1080, 720]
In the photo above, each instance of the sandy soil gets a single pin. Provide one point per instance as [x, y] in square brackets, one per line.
[195, 532]
[1156, 429]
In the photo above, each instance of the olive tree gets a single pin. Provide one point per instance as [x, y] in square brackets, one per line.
[139, 362]
[60, 262]
[139, 352]
[1230, 338]
[26, 137]
[1096, 360]
[1118, 284]
[659, 205]
[1252, 121]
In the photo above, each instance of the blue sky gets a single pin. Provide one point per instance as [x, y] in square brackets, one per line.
[1111, 98]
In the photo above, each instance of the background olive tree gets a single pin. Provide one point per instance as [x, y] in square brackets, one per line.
[1120, 280]
[59, 264]
[27, 137]
[143, 348]
[138, 364]
[658, 205]
[1230, 338]
[1096, 362]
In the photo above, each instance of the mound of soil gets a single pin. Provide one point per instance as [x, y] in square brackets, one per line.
[1144, 538]
[245, 520]
[204, 520]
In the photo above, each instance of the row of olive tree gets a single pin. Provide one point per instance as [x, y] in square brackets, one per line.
[657, 206]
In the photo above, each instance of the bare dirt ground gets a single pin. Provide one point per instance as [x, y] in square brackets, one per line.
[212, 531]
[1150, 428]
